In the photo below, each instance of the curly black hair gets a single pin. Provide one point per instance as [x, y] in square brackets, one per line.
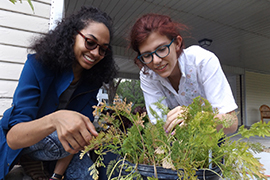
[55, 49]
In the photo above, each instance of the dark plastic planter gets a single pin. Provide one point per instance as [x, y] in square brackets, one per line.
[168, 174]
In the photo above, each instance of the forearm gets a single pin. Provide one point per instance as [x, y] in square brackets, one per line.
[233, 120]
[26, 134]
[74, 131]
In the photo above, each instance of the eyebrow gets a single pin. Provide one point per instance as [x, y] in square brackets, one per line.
[94, 37]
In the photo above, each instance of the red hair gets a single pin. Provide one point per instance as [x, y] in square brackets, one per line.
[149, 23]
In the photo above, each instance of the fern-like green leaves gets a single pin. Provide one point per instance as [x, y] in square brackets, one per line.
[195, 145]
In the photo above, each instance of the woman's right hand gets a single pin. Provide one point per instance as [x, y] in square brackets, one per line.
[173, 119]
[74, 129]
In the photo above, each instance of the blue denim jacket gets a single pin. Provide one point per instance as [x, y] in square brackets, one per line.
[37, 95]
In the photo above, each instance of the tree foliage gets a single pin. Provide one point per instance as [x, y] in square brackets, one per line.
[131, 91]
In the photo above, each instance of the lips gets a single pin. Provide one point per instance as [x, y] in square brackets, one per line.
[88, 58]
[161, 67]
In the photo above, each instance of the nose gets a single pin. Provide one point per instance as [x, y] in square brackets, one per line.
[156, 60]
[95, 51]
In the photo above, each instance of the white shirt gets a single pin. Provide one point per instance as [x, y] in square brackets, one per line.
[201, 76]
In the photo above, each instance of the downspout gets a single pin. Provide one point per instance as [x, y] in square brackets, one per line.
[57, 12]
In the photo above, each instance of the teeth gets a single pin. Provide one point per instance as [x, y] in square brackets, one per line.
[161, 67]
[89, 59]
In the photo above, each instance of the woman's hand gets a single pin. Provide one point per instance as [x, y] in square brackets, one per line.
[173, 119]
[74, 129]
[232, 118]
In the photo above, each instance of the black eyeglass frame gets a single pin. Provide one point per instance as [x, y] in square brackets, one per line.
[140, 57]
[97, 44]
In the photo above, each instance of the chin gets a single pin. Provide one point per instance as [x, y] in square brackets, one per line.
[164, 75]
[88, 67]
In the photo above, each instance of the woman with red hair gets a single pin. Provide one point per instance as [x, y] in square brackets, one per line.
[168, 70]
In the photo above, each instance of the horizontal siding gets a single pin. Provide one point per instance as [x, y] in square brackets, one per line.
[24, 22]
[257, 93]
[7, 89]
[12, 54]
[16, 37]
[4, 104]
[41, 8]
[19, 26]
[6, 94]
[44, 1]
[10, 71]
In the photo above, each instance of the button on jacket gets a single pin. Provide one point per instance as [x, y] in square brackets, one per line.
[37, 95]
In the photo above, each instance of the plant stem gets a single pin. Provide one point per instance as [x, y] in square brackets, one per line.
[122, 167]
[155, 168]
[121, 121]
[115, 167]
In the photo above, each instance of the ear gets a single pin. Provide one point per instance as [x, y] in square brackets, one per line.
[178, 42]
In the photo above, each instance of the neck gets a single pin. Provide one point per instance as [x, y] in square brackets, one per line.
[77, 74]
[175, 77]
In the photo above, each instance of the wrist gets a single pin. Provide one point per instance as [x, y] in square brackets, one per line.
[52, 121]
[56, 176]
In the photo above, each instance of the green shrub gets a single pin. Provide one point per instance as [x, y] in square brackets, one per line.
[195, 145]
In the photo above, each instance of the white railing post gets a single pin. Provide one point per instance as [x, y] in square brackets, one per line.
[57, 12]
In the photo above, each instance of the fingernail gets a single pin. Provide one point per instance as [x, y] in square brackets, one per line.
[167, 131]
[173, 133]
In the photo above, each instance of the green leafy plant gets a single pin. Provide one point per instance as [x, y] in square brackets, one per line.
[29, 2]
[190, 147]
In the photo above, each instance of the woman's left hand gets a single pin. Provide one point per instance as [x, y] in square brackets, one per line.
[173, 119]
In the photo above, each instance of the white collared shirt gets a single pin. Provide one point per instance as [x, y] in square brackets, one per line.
[202, 76]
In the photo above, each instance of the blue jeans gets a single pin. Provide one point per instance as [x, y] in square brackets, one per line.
[51, 149]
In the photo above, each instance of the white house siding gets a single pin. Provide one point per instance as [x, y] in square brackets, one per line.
[18, 26]
[257, 93]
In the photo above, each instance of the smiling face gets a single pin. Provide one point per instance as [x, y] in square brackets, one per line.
[167, 66]
[86, 59]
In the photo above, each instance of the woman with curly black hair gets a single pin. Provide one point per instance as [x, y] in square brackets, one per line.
[51, 113]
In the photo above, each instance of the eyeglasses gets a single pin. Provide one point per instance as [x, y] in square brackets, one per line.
[161, 52]
[92, 44]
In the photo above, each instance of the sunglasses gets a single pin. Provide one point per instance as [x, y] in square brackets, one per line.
[92, 44]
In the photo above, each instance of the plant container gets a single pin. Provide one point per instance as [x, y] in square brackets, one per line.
[169, 174]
